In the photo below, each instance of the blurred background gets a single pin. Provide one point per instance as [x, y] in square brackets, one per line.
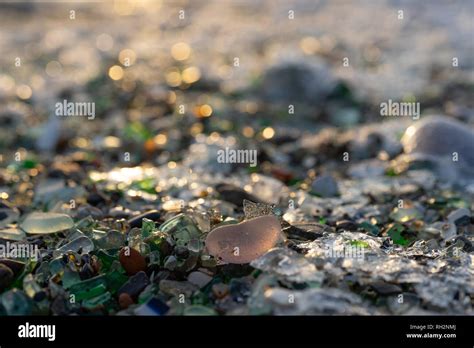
[298, 82]
[161, 73]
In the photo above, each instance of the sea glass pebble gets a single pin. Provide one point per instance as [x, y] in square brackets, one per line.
[12, 233]
[246, 241]
[82, 244]
[44, 223]
[440, 136]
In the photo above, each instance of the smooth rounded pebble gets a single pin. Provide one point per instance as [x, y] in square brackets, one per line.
[132, 261]
[6, 277]
[246, 241]
[44, 223]
[438, 136]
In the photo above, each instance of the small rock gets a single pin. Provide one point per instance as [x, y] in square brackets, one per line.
[132, 261]
[87, 271]
[200, 279]
[151, 308]
[96, 198]
[137, 220]
[460, 217]
[181, 252]
[170, 262]
[135, 284]
[119, 213]
[306, 231]
[59, 306]
[176, 288]
[87, 210]
[442, 145]
[246, 241]
[234, 194]
[325, 186]
[125, 300]
[465, 243]
[220, 290]
[16, 302]
[50, 190]
[346, 225]
[6, 277]
[298, 81]
[430, 232]
[448, 230]
[384, 288]
[16, 266]
[425, 135]
[240, 288]
[8, 214]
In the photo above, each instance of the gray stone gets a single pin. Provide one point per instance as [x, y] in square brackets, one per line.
[325, 186]
[135, 285]
[153, 307]
[441, 144]
[6, 277]
[16, 266]
[234, 194]
[384, 288]
[298, 81]
[200, 279]
[176, 288]
[461, 216]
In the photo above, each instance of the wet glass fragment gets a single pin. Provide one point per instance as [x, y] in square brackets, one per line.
[181, 229]
[15, 302]
[148, 226]
[405, 214]
[98, 301]
[44, 223]
[199, 310]
[244, 242]
[461, 216]
[399, 236]
[153, 307]
[82, 244]
[288, 264]
[113, 239]
[12, 233]
[135, 285]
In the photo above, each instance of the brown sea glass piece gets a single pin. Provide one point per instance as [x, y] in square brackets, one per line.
[246, 241]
